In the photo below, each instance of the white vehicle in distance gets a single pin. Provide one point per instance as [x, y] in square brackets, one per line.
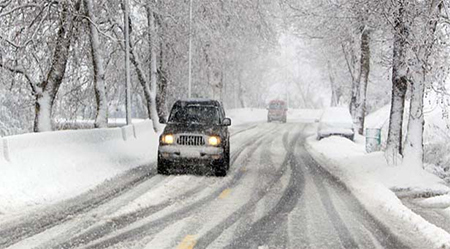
[336, 121]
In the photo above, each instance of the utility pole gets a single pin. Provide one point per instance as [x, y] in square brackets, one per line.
[190, 49]
[287, 95]
[127, 64]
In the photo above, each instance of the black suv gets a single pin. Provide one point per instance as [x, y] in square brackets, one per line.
[196, 136]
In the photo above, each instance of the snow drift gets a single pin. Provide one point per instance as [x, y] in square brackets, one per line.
[51, 166]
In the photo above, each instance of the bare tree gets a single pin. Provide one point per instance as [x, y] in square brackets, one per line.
[101, 119]
[60, 86]
[46, 90]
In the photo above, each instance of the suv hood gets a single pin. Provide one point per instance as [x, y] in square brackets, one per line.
[176, 128]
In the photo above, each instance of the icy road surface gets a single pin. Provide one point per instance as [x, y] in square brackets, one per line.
[274, 196]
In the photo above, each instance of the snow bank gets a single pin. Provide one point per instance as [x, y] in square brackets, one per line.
[440, 201]
[51, 166]
[77, 124]
[370, 180]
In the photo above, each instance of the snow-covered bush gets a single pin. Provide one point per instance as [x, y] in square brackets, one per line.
[437, 160]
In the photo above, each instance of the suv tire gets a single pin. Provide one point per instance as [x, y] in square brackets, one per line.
[220, 169]
[161, 167]
[227, 157]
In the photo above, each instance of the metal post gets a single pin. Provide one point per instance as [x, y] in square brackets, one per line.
[127, 66]
[190, 49]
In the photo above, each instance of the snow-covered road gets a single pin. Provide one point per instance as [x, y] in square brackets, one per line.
[275, 196]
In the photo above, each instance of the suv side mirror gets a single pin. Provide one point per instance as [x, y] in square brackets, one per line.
[226, 122]
[163, 120]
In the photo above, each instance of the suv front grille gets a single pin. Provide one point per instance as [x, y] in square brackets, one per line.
[191, 140]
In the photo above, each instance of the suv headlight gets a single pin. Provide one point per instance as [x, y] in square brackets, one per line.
[214, 140]
[167, 139]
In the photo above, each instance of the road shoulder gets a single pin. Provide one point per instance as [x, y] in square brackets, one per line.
[360, 172]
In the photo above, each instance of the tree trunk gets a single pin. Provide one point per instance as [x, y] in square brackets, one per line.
[221, 87]
[363, 80]
[241, 91]
[43, 111]
[305, 95]
[101, 118]
[161, 95]
[46, 91]
[350, 60]
[393, 152]
[127, 29]
[153, 69]
[413, 152]
[334, 101]
[142, 79]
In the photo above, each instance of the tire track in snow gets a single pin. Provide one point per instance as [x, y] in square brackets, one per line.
[268, 201]
[244, 130]
[381, 233]
[343, 232]
[15, 231]
[207, 238]
[262, 230]
[96, 233]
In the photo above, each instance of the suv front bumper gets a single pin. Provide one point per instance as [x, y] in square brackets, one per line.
[190, 153]
[177, 158]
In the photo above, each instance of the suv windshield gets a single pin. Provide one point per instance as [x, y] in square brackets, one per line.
[276, 105]
[195, 114]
